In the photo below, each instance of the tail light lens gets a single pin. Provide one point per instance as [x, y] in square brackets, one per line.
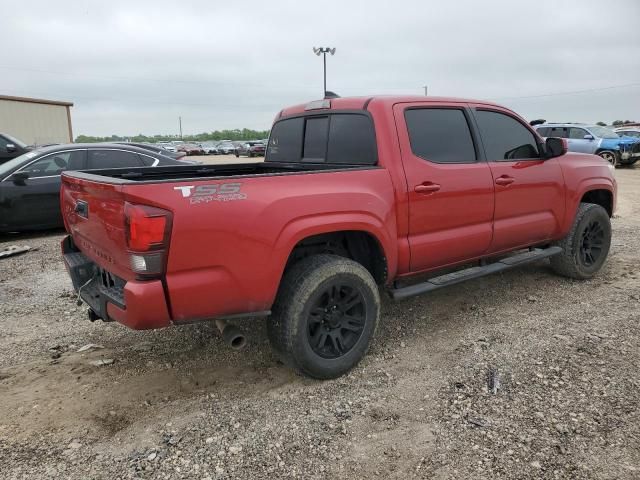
[147, 231]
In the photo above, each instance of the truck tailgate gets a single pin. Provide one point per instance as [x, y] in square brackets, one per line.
[94, 215]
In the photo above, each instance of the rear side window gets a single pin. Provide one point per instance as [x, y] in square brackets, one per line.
[504, 138]
[339, 138]
[351, 140]
[112, 159]
[440, 135]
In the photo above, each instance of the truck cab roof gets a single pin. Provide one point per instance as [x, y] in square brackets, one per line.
[361, 103]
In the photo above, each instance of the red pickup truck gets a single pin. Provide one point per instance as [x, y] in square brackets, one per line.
[403, 194]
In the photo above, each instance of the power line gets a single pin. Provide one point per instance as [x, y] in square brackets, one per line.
[575, 92]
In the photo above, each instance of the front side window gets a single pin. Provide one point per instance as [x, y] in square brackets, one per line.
[337, 138]
[112, 159]
[55, 163]
[505, 138]
[440, 135]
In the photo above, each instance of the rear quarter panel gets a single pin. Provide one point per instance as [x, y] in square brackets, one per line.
[227, 257]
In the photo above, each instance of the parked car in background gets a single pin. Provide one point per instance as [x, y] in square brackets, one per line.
[210, 148]
[251, 149]
[156, 149]
[11, 147]
[633, 132]
[30, 183]
[190, 149]
[167, 146]
[226, 148]
[594, 139]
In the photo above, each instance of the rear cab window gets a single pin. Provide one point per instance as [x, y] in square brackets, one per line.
[330, 138]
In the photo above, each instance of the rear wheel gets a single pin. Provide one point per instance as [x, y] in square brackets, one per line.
[586, 247]
[610, 156]
[325, 315]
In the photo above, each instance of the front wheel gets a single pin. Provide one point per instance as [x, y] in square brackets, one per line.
[325, 315]
[610, 156]
[586, 247]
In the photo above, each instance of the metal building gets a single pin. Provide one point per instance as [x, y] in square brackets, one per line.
[36, 121]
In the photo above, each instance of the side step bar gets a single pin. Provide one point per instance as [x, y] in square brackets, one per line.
[474, 272]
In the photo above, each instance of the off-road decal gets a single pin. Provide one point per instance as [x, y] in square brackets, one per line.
[215, 192]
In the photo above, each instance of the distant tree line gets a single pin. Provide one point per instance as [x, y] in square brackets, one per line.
[616, 123]
[236, 134]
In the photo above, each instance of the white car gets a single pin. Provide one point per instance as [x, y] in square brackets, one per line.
[629, 131]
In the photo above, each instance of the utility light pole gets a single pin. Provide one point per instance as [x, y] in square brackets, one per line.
[324, 51]
[180, 122]
[425, 90]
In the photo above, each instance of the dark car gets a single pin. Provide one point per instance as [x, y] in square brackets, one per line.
[11, 147]
[30, 183]
[251, 149]
[157, 149]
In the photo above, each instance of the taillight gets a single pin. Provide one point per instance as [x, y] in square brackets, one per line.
[147, 232]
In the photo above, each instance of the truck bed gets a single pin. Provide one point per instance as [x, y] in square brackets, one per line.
[199, 172]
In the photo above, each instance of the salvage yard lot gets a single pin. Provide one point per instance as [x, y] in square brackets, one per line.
[563, 358]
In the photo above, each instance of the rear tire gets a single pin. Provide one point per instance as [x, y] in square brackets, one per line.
[325, 316]
[610, 156]
[585, 248]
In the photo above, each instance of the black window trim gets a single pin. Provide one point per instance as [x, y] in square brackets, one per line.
[536, 135]
[329, 113]
[472, 130]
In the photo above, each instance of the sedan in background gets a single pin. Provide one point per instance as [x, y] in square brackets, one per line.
[210, 148]
[190, 149]
[225, 148]
[30, 183]
[11, 147]
[251, 149]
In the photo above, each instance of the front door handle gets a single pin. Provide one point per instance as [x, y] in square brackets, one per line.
[505, 180]
[427, 188]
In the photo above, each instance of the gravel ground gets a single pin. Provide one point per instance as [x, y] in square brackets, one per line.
[519, 375]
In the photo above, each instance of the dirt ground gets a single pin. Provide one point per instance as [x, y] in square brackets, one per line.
[519, 375]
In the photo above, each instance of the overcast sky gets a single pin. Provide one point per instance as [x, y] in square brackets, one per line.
[135, 66]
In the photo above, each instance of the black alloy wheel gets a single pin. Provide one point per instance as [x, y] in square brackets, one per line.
[592, 243]
[336, 320]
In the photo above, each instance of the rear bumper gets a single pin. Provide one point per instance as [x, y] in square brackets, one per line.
[140, 305]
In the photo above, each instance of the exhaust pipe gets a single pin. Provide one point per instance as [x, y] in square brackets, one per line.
[231, 335]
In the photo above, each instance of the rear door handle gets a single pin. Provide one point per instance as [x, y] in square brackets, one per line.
[426, 188]
[505, 180]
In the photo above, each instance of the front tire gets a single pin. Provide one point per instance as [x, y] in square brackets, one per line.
[610, 156]
[325, 316]
[585, 248]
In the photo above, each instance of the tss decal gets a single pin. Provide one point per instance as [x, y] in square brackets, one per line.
[215, 192]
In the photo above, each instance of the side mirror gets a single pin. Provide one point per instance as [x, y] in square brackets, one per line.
[588, 137]
[10, 147]
[19, 178]
[555, 147]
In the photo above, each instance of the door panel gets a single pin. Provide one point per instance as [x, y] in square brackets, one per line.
[529, 191]
[450, 204]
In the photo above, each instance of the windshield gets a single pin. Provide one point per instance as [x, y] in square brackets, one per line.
[14, 140]
[16, 162]
[602, 132]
